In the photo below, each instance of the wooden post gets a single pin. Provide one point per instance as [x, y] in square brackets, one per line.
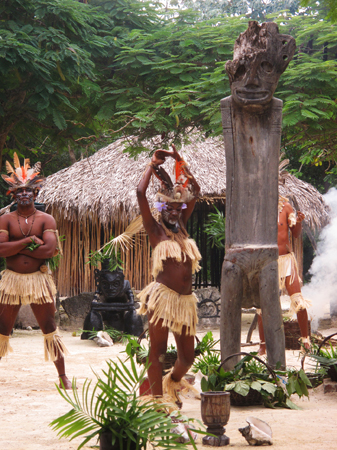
[251, 120]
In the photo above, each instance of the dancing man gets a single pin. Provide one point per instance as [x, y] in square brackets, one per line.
[168, 301]
[288, 271]
[27, 238]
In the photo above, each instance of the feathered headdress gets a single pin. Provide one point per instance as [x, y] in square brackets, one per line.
[22, 176]
[181, 191]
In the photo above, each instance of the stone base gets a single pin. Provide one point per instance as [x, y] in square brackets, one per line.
[329, 386]
[219, 441]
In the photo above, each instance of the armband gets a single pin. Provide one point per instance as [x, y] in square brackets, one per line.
[292, 219]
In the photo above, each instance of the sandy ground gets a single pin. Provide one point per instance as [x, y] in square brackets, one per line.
[29, 400]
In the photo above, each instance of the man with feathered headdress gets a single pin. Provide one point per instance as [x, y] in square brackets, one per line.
[27, 238]
[168, 301]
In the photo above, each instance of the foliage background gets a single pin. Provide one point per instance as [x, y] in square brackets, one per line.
[74, 76]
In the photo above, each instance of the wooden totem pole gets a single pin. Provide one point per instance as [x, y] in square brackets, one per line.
[251, 120]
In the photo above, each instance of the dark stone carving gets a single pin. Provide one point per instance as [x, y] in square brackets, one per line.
[113, 305]
[208, 303]
[251, 119]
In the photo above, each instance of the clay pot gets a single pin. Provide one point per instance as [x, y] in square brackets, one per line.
[332, 373]
[105, 442]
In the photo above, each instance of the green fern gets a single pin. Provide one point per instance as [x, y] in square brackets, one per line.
[112, 404]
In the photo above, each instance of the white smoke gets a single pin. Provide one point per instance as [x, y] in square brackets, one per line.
[322, 289]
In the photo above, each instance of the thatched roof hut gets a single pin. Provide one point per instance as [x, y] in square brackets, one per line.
[96, 197]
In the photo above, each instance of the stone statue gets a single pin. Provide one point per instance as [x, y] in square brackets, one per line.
[113, 304]
[251, 120]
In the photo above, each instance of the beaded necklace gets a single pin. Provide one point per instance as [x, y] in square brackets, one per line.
[26, 217]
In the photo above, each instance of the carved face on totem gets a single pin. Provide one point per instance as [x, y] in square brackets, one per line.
[261, 55]
[111, 283]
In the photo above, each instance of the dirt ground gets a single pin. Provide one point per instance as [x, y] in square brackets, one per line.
[29, 400]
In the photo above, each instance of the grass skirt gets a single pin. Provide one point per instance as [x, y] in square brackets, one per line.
[287, 266]
[26, 288]
[174, 309]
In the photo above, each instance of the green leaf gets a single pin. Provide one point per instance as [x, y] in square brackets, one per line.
[269, 387]
[304, 377]
[308, 113]
[230, 386]
[291, 385]
[298, 388]
[186, 77]
[242, 388]
[59, 120]
[143, 59]
[256, 385]
[292, 405]
[204, 385]
[176, 70]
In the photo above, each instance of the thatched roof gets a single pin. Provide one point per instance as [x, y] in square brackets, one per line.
[106, 181]
[104, 185]
[307, 199]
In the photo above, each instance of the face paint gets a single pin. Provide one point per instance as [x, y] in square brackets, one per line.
[172, 213]
[168, 218]
[24, 196]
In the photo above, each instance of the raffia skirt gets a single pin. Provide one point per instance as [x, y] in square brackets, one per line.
[175, 310]
[287, 266]
[26, 288]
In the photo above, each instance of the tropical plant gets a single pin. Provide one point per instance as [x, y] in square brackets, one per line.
[107, 255]
[326, 358]
[251, 373]
[113, 405]
[215, 228]
[203, 347]
[207, 363]
[208, 358]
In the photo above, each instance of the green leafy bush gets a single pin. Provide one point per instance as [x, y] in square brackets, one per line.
[208, 359]
[215, 228]
[325, 357]
[251, 373]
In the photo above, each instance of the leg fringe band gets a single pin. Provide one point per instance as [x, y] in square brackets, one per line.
[54, 347]
[4, 345]
[174, 388]
[298, 302]
[174, 309]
